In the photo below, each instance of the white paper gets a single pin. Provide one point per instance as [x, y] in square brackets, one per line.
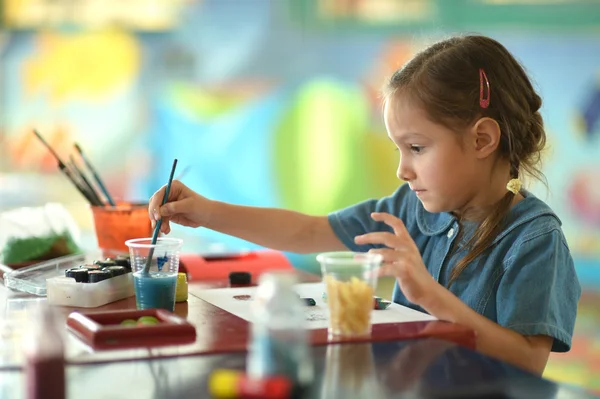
[317, 316]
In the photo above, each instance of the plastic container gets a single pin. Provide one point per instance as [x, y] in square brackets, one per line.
[64, 291]
[351, 279]
[155, 287]
[48, 279]
[279, 341]
[181, 291]
[200, 267]
[32, 279]
[116, 224]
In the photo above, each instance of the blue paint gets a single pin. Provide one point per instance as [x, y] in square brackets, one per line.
[155, 290]
[161, 260]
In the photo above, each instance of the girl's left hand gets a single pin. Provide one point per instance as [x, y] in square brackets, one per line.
[401, 259]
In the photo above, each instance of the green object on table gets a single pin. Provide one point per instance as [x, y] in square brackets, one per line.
[19, 250]
[381, 304]
[148, 320]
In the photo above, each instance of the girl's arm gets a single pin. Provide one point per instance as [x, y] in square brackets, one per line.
[269, 227]
[279, 229]
[528, 352]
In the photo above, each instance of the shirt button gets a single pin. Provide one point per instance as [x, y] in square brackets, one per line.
[450, 232]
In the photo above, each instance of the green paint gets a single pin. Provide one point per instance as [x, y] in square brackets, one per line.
[18, 250]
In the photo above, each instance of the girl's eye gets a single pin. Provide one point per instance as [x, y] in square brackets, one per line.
[416, 149]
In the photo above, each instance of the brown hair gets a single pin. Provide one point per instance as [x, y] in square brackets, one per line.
[444, 80]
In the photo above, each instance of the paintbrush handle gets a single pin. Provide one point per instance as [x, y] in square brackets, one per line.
[45, 143]
[159, 221]
[97, 178]
[86, 183]
[154, 238]
[63, 168]
[101, 185]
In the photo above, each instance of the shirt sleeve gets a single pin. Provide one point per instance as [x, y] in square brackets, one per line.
[355, 220]
[539, 290]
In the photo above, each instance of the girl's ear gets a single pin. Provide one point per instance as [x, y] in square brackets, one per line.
[485, 137]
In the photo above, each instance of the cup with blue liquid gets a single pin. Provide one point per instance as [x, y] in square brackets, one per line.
[155, 268]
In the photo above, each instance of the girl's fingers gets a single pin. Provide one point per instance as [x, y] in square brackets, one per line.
[400, 239]
[389, 255]
[394, 222]
[398, 226]
[379, 238]
[154, 204]
[387, 270]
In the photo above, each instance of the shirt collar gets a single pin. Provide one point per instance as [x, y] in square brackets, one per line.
[432, 224]
[527, 209]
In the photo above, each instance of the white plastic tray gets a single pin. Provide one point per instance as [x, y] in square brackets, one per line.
[65, 291]
[48, 279]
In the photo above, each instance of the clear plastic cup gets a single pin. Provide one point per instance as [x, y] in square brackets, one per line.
[350, 279]
[155, 288]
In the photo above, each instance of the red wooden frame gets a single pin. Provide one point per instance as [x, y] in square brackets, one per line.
[101, 330]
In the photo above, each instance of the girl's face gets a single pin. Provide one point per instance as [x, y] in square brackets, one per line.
[435, 161]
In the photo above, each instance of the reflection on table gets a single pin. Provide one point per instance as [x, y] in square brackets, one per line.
[425, 368]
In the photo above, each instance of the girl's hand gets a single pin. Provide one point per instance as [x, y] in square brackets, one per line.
[184, 206]
[401, 259]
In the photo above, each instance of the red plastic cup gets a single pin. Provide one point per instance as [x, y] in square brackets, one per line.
[114, 225]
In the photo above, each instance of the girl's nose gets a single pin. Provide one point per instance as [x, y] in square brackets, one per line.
[404, 172]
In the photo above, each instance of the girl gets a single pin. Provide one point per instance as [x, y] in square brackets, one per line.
[463, 240]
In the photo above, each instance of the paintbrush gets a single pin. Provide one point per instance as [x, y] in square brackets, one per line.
[67, 172]
[159, 221]
[88, 164]
[86, 183]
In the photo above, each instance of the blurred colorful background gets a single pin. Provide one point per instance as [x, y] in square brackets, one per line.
[276, 103]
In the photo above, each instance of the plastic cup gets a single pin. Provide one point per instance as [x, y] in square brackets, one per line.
[155, 288]
[115, 225]
[350, 279]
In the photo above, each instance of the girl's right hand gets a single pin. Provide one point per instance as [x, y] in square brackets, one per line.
[184, 206]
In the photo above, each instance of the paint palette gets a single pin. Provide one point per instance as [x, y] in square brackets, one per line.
[108, 330]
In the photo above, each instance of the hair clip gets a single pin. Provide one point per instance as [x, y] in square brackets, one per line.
[484, 102]
[514, 186]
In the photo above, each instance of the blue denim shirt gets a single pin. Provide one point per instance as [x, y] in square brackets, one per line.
[525, 282]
